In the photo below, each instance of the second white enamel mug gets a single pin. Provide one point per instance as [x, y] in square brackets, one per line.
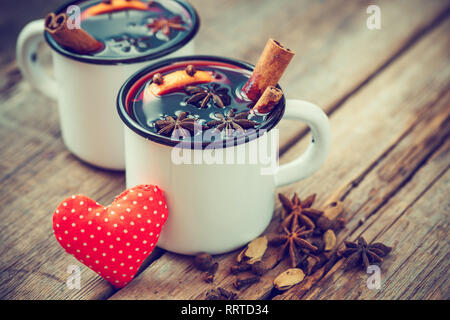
[86, 87]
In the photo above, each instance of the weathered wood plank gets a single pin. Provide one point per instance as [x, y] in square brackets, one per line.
[29, 251]
[34, 179]
[425, 270]
[387, 120]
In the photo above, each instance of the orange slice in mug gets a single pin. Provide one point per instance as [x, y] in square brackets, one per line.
[113, 6]
[177, 80]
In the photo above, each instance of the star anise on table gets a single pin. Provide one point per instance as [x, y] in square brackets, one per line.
[166, 25]
[232, 122]
[363, 254]
[200, 96]
[297, 212]
[182, 125]
[294, 243]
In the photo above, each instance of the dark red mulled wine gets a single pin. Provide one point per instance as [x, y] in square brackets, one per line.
[185, 99]
[130, 29]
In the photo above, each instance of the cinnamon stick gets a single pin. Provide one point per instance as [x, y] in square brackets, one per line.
[268, 100]
[330, 213]
[76, 40]
[268, 70]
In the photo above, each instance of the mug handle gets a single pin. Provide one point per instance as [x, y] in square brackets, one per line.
[314, 156]
[26, 54]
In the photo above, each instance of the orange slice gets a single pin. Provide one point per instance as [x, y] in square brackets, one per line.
[177, 80]
[115, 5]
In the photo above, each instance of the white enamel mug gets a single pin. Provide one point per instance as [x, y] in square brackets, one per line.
[217, 207]
[86, 87]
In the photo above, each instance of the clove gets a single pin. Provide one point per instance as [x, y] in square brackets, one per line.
[209, 275]
[203, 261]
[245, 282]
[237, 268]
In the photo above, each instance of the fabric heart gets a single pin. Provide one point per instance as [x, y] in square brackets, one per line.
[114, 240]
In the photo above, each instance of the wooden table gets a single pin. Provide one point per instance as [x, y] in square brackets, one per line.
[387, 94]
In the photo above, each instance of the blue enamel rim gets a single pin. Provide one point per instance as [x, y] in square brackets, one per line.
[112, 61]
[275, 117]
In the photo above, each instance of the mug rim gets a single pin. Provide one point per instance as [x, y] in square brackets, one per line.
[149, 135]
[111, 61]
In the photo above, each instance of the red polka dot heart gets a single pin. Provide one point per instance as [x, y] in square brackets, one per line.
[113, 240]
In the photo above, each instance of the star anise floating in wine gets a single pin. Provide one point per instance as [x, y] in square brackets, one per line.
[232, 122]
[181, 125]
[363, 254]
[297, 213]
[200, 96]
[294, 242]
[166, 25]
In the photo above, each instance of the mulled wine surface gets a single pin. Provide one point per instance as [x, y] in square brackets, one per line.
[206, 99]
[130, 29]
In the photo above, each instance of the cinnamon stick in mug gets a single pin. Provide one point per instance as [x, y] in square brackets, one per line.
[268, 100]
[76, 39]
[268, 70]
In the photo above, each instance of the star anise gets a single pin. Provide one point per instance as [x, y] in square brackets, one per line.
[182, 125]
[294, 243]
[297, 213]
[232, 122]
[363, 254]
[165, 25]
[200, 96]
